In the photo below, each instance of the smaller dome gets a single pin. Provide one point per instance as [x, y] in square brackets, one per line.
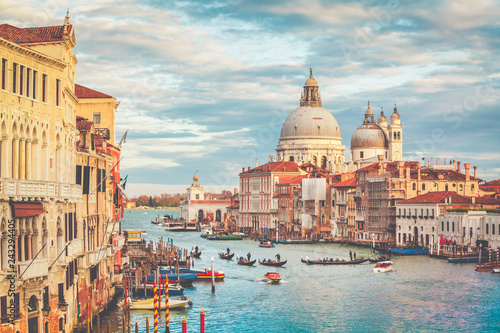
[381, 118]
[395, 115]
[369, 111]
[369, 135]
[311, 82]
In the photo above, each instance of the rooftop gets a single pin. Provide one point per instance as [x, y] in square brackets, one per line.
[84, 92]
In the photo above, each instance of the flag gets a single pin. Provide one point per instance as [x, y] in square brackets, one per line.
[124, 182]
[122, 190]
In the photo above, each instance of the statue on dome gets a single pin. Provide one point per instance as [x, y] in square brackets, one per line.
[195, 177]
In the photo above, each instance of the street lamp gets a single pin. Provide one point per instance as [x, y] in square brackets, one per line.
[213, 276]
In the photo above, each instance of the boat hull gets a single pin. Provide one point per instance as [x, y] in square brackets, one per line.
[148, 304]
[247, 263]
[273, 264]
[319, 262]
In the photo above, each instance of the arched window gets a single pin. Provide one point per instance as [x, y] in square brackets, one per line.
[218, 215]
[323, 162]
[315, 160]
[423, 187]
[394, 135]
[291, 159]
[399, 135]
[323, 219]
[360, 154]
[446, 187]
[414, 186]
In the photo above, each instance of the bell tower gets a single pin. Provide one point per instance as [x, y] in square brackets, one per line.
[395, 137]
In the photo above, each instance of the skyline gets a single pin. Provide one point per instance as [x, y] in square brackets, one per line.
[207, 85]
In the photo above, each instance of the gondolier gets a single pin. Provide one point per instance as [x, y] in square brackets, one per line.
[228, 250]
[249, 256]
[350, 254]
[278, 257]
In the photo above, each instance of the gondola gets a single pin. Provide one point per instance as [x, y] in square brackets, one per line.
[197, 255]
[226, 256]
[246, 263]
[321, 262]
[378, 259]
[274, 263]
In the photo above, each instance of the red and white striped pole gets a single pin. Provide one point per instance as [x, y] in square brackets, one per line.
[490, 253]
[202, 321]
[167, 314]
[498, 253]
[184, 324]
[156, 309]
[159, 294]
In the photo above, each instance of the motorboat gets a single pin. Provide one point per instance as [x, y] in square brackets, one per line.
[383, 266]
[271, 277]
[486, 267]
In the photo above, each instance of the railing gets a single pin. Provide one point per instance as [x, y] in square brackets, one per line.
[38, 189]
[104, 132]
[38, 268]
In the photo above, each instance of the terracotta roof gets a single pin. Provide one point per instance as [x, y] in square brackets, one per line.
[286, 166]
[84, 125]
[351, 182]
[426, 173]
[487, 201]
[33, 35]
[438, 197]
[495, 182]
[84, 92]
[294, 180]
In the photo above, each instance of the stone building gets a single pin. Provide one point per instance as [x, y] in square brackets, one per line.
[40, 199]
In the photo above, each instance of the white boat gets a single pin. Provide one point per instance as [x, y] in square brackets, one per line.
[148, 304]
[496, 269]
[173, 225]
[383, 266]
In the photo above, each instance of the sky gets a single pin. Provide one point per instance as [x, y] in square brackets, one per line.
[206, 85]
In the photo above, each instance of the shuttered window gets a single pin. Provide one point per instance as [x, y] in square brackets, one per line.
[79, 174]
[86, 179]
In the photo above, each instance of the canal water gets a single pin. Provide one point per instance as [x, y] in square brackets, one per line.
[421, 294]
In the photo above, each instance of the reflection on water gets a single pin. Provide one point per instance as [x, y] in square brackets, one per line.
[421, 294]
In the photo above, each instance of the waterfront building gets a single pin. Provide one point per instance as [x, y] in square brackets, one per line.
[344, 208]
[289, 204]
[39, 195]
[380, 185]
[471, 227]
[311, 134]
[372, 139]
[197, 208]
[491, 188]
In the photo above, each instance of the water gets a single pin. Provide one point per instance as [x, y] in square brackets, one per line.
[421, 294]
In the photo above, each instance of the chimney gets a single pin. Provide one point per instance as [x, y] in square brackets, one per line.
[455, 164]
[467, 169]
[242, 169]
[458, 170]
[475, 171]
[400, 168]
[380, 164]
[418, 171]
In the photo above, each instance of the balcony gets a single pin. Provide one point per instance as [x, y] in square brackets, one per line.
[38, 268]
[104, 132]
[75, 248]
[38, 189]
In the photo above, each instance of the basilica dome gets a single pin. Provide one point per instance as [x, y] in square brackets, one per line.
[369, 135]
[310, 121]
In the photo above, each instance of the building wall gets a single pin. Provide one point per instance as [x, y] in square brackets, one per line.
[105, 107]
[425, 222]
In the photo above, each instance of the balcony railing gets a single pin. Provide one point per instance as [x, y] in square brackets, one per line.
[104, 132]
[38, 189]
[37, 268]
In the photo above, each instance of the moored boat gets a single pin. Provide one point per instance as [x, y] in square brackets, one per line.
[197, 254]
[463, 260]
[271, 277]
[266, 244]
[378, 259]
[185, 279]
[486, 267]
[496, 269]
[148, 304]
[383, 266]
[225, 237]
[272, 263]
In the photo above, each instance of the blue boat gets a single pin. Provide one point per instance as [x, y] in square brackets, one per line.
[184, 278]
[408, 252]
[464, 260]
[295, 241]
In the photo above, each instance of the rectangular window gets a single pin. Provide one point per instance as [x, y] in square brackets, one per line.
[44, 87]
[58, 92]
[99, 180]
[79, 174]
[97, 118]
[4, 74]
[35, 84]
[21, 80]
[14, 78]
[28, 82]
[75, 230]
[60, 290]
[17, 306]
[492, 229]
[487, 228]
[86, 179]
[46, 297]
[103, 180]
[70, 225]
[3, 306]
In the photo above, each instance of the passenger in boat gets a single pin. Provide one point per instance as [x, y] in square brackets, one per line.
[331, 259]
[354, 255]
[337, 260]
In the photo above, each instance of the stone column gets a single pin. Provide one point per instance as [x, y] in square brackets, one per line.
[5, 250]
[21, 244]
[5, 156]
[15, 157]
[30, 255]
[22, 158]
[44, 166]
[28, 159]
